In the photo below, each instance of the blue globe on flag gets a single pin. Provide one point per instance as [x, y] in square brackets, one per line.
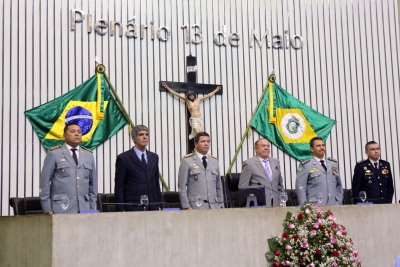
[82, 117]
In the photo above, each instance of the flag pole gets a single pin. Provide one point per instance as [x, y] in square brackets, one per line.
[118, 100]
[271, 79]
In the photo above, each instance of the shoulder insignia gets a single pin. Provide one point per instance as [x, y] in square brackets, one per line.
[188, 155]
[360, 161]
[214, 157]
[331, 159]
[304, 162]
[87, 149]
[54, 147]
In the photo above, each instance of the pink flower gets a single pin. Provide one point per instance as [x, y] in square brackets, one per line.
[319, 207]
[286, 263]
[288, 247]
[330, 217]
[333, 240]
[304, 245]
[311, 265]
[334, 264]
[339, 233]
[291, 225]
[307, 211]
[313, 232]
[355, 254]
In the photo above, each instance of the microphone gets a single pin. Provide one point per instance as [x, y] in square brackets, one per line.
[274, 191]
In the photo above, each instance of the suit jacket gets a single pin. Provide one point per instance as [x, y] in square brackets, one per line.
[133, 179]
[312, 179]
[62, 177]
[194, 180]
[253, 172]
[378, 184]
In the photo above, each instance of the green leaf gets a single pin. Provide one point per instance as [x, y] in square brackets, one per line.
[288, 216]
[270, 256]
[273, 244]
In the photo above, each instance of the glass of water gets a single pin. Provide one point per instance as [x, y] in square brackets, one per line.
[144, 200]
[362, 195]
[320, 197]
[199, 200]
[283, 197]
[64, 202]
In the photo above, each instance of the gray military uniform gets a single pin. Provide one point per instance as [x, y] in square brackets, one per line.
[194, 179]
[62, 177]
[312, 179]
[253, 172]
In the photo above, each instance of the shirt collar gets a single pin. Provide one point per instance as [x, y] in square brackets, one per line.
[318, 160]
[374, 162]
[139, 153]
[70, 147]
[200, 155]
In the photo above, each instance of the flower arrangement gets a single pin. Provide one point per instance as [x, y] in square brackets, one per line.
[312, 238]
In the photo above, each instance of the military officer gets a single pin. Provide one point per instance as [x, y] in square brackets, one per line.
[68, 172]
[373, 176]
[199, 180]
[318, 175]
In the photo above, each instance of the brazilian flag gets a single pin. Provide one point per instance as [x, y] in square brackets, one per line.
[90, 105]
[289, 123]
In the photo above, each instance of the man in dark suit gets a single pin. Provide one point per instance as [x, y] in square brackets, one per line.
[265, 170]
[373, 176]
[136, 174]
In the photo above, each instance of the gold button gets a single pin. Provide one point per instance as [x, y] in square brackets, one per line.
[380, 184]
[77, 177]
[78, 186]
[379, 177]
[208, 187]
[208, 194]
[329, 194]
[78, 195]
[381, 191]
[207, 179]
[327, 181]
[77, 169]
[382, 198]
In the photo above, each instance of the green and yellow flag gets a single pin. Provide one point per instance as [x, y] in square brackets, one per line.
[90, 105]
[288, 123]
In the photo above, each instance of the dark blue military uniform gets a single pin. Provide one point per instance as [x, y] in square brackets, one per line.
[377, 183]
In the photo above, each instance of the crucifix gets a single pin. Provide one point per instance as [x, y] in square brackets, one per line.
[191, 88]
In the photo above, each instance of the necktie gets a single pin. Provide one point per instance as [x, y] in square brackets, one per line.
[376, 165]
[323, 164]
[143, 161]
[205, 162]
[266, 166]
[74, 155]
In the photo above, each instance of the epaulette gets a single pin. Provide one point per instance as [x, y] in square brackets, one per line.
[214, 157]
[360, 161]
[54, 147]
[331, 159]
[188, 155]
[87, 149]
[304, 162]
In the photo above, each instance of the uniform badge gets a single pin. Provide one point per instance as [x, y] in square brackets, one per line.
[367, 171]
[334, 170]
[365, 168]
[196, 177]
[385, 171]
[369, 181]
[299, 169]
[312, 170]
[62, 159]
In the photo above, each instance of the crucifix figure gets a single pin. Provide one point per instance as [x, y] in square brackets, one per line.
[193, 104]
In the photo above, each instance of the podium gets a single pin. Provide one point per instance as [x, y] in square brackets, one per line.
[226, 237]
